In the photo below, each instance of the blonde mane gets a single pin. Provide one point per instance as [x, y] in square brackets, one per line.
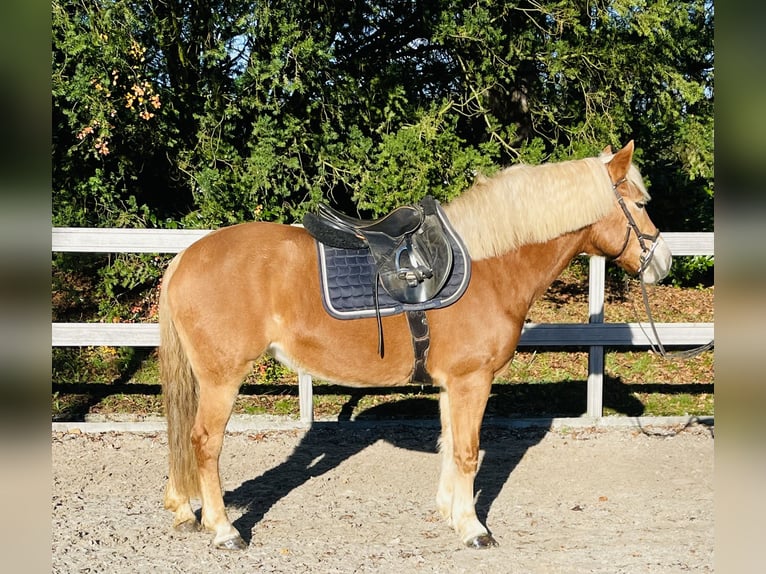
[532, 204]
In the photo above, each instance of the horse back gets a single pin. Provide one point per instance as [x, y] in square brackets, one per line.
[253, 288]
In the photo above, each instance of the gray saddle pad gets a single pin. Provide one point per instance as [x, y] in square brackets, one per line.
[347, 279]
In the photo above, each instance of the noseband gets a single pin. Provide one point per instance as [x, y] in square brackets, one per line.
[647, 251]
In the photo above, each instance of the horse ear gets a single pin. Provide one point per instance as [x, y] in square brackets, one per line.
[607, 150]
[620, 164]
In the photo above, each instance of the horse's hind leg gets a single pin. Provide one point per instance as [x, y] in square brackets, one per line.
[216, 401]
[462, 409]
[184, 519]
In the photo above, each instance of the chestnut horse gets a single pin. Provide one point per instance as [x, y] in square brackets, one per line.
[253, 288]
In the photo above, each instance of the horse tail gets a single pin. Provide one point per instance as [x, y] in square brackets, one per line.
[179, 390]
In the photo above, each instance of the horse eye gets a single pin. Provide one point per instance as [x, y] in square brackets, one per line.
[640, 204]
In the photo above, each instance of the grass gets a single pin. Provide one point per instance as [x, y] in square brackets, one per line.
[125, 381]
[535, 385]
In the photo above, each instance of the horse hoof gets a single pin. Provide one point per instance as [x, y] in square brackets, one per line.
[235, 543]
[482, 541]
[188, 526]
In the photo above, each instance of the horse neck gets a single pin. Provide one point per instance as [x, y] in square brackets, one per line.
[529, 270]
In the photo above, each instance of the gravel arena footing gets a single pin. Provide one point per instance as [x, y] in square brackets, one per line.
[559, 495]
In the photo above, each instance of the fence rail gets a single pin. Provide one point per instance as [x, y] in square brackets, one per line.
[595, 335]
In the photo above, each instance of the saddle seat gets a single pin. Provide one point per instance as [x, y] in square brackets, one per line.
[351, 231]
[409, 245]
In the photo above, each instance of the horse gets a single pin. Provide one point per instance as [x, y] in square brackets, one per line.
[253, 288]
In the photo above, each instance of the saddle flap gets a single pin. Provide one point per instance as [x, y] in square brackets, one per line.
[415, 267]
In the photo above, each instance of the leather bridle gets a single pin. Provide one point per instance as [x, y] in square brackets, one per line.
[647, 252]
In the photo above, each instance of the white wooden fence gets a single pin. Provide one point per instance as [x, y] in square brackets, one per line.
[595, 334]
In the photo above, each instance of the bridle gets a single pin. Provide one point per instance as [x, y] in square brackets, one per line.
[647, 252]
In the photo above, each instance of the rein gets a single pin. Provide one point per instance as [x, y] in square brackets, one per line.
[659, 348]
[646, 256]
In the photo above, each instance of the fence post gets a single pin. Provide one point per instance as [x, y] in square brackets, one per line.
[306, 397]
[596, 276]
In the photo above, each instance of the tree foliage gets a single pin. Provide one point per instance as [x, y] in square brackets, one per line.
[198, 113]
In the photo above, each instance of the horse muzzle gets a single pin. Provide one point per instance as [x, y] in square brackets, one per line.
[656, 262]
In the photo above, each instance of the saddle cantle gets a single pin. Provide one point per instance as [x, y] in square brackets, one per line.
[410, 246]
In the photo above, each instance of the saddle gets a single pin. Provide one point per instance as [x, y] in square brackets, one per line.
[413, 253]
[409, 245]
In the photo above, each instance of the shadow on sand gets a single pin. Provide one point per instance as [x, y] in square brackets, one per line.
[326, 445]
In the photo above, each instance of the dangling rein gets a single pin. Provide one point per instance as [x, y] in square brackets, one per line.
[659, 348]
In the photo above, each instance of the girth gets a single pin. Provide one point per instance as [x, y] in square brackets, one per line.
[421, 341]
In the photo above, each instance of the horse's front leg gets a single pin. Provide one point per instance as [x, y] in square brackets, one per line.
[461, 409]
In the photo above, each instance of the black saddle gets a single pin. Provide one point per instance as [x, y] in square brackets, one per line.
[410, 246]
[413, 253]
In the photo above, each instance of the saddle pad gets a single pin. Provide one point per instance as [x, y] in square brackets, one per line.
[347, 279]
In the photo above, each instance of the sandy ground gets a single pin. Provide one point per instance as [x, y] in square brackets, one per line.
[359, 497]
